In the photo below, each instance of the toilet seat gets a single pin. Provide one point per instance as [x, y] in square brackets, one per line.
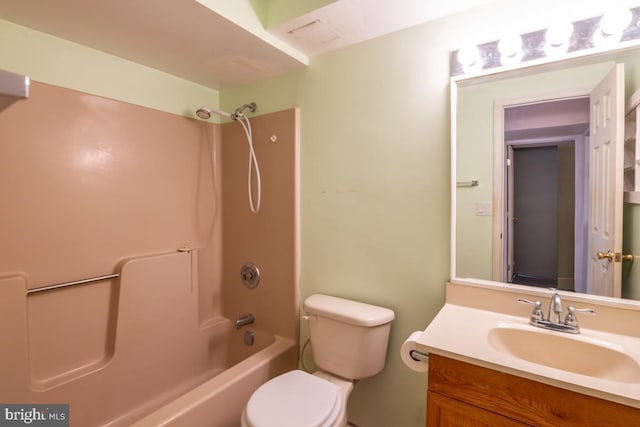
[295, 398]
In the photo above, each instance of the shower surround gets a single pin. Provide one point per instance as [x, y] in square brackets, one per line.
[92, 186]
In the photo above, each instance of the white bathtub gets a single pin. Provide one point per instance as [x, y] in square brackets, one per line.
[219, 401]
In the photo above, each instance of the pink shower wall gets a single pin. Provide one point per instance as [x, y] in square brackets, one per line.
[91, 186]
[270, 238]
[86, 182]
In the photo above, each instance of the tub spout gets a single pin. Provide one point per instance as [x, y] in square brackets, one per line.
[245, 320]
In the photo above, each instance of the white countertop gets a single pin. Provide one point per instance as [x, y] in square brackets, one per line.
[462, 333]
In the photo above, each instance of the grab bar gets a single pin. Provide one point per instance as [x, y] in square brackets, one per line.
[76, 282]
[473, 183]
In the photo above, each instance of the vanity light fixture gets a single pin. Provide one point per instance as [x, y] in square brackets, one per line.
[618, 27]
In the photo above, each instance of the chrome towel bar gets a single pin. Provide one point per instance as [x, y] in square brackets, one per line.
[473, 183]
[76, 282]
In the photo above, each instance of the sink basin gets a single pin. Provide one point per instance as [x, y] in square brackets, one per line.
[569, 353]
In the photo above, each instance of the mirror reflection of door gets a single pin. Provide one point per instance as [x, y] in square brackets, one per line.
[535, 216]
[558, 214]
[544, 215]
[545, 182]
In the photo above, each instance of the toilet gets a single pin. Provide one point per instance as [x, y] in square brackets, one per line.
[348, 342]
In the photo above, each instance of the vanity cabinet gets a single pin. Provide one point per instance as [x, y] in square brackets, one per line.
[443, 411]
[462, 394]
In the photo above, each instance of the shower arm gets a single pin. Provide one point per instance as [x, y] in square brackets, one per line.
[205, 114]
[238, 113]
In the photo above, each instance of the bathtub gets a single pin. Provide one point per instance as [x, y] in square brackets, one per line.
[219, 401]
[133, 352]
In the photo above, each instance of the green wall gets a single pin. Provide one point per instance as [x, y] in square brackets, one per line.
[279, 11]
[59, 62]
[631, 245]
[375, 204]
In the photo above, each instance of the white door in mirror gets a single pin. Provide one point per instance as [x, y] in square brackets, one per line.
[606, 154]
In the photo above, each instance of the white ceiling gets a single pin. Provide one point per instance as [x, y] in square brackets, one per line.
[346, 22]
[188, 40]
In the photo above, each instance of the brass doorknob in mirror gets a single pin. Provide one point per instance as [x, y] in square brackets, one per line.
[605, 255]
[617, 257]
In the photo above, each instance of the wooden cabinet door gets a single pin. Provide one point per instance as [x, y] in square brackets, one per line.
[508, 400]
[445, 412]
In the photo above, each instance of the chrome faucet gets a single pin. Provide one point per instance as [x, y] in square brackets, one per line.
[570, 323]
[555, 306]
[245, 320]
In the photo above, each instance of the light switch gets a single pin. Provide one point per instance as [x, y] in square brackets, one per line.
[483, 209]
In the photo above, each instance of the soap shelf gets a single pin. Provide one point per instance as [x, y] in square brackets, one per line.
[13, 87]
[632, 151]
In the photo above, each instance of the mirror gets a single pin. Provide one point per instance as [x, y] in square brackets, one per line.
[492, 120]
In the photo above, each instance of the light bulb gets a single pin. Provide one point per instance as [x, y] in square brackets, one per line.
[470, 59]
[615, 20]
[559, 33]
[557, 38]
[468, 55]
[510, 48]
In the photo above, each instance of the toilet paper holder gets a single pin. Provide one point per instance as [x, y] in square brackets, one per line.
[419, 356]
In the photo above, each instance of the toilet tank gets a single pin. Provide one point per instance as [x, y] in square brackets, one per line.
[348, 338]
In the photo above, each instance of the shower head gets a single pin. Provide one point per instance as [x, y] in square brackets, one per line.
[205, 113]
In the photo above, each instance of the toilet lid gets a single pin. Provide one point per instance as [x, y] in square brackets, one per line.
[295, 398]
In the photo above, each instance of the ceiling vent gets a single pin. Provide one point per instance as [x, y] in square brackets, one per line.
[314, 33]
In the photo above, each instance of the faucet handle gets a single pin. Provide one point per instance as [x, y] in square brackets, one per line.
[571, 319]
[536, 314]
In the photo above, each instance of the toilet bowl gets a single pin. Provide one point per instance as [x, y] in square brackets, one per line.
[297, 399]
[348, 342]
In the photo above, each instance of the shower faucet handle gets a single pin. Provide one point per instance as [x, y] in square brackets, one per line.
[250, 275]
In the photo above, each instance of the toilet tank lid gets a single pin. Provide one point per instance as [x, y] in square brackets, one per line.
[344, 310]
